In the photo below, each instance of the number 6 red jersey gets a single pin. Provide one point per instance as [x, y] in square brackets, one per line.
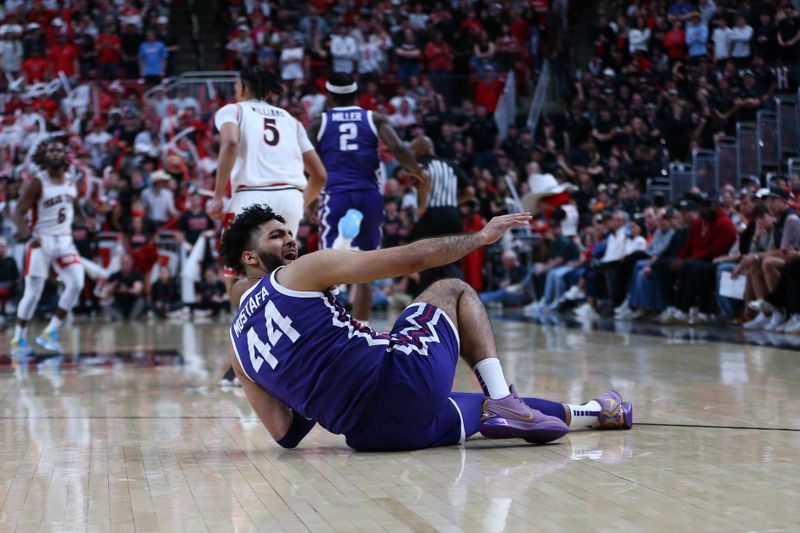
[271, 145]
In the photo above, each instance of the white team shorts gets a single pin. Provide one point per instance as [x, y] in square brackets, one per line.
[57, 251]
[287, 203]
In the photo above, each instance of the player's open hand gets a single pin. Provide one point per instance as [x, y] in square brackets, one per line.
[497, 227]
[214, 208]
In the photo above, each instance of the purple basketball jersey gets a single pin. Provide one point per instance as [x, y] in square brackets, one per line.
[348, 147]
[307, 351]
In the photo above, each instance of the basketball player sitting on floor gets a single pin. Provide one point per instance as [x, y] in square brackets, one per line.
[302, 359]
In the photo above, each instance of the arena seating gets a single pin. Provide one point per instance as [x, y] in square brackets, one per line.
[674, 105]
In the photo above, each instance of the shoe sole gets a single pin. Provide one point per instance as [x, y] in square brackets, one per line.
[494, 429]
[628, 424]
[22, 354]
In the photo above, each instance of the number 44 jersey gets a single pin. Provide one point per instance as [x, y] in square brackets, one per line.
[308, 352]
[348, 147]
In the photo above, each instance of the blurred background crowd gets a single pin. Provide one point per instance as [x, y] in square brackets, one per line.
[634, 86]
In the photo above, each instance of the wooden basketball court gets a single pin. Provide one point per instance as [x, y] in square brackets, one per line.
[136, 435]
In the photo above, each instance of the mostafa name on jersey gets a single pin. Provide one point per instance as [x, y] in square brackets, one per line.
[254, 301]
[269, 112]
[345, 116]
[60, 199]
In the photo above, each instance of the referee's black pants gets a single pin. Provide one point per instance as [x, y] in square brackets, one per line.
[438, 221]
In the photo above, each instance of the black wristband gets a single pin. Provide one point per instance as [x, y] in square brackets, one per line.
[299, 429]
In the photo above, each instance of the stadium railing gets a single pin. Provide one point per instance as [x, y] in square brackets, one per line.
[788, 113]
[204, 86]
[747, 152]
[759, 149]
[767, 128]
[681, 177]
[725, 149]
[704, 170]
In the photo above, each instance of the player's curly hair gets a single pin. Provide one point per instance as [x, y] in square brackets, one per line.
[261, 82]
[39, 156]
[237, 237]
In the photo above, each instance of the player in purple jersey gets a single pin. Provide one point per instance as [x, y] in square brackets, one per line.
[302, 359]
[346, 137]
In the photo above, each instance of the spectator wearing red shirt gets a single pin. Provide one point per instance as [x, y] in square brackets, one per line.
[57, 27]
[63, 57]
[35, 68]
[13, 104]
[488, 90]
[369, 100]
[710, 236]
[521, 31]
[472, 23]
[47, 106]
[439, 58]
[675, 42]
[109, 53]
[39, 14]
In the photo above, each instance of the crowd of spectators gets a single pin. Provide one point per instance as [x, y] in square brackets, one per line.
[86, 40]
[661, 79]
[665, 78]
[145, 158]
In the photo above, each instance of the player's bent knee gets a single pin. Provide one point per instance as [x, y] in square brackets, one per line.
[450, 285]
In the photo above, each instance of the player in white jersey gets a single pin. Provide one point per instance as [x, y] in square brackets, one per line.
[264, 152]
[51, 198]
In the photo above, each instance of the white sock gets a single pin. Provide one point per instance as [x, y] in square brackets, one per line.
[490, 375]
[20, 332]
[55, 323]
[584, 415]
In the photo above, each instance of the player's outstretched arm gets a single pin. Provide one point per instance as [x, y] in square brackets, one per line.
[31, 191]
[320, 270]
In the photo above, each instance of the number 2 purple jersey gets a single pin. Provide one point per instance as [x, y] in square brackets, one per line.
[348, 147]
[307, 351]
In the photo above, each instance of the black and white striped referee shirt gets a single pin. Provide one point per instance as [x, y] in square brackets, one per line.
[446, 180]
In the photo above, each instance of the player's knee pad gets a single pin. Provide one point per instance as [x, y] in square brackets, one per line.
[72, 277]
[34, 285]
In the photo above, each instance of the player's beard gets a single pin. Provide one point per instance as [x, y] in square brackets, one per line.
[270, 261]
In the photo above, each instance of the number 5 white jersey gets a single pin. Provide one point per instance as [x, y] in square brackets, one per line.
[54, 212]
[271, 145]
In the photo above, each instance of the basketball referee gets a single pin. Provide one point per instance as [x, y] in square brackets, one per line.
[442, 216]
